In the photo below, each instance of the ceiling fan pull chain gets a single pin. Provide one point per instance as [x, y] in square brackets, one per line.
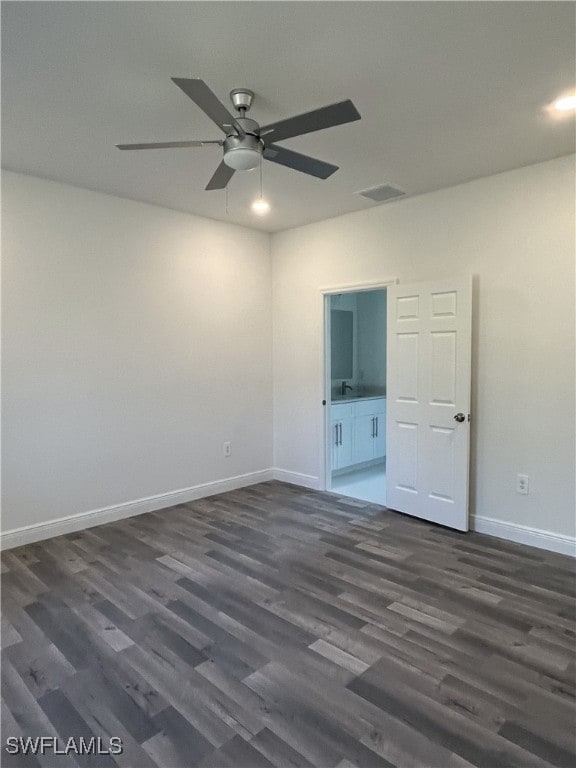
[261, 164]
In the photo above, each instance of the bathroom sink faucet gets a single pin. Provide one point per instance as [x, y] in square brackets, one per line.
[345, 387]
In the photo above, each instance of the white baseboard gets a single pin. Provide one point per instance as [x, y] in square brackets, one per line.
[296, 478]
[534, 537]
[30, 533]
[523, 534]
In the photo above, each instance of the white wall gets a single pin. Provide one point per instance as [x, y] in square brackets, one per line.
[515, 233]
[136, 340]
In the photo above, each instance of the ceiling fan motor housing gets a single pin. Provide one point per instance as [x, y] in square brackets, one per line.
[244, 153]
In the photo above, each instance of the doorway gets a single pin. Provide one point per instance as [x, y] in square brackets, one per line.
[356, 394]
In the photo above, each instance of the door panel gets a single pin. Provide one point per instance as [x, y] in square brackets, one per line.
[402, 460]
[443, 373]
[428, 369]
[441, 478]
[407, 367]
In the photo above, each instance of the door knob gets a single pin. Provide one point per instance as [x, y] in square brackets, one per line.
[459, 417]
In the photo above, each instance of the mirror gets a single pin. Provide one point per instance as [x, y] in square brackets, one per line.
[341, 343]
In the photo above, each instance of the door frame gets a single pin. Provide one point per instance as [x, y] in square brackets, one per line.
[326, 386]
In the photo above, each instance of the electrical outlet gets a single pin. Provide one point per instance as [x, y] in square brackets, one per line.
[227, 449]
[522, 484]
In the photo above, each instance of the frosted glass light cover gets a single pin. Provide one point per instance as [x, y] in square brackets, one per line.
[242, 158]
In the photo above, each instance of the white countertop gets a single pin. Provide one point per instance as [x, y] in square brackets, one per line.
[355, 398]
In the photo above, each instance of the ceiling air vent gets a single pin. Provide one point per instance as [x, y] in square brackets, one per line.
[382, 193]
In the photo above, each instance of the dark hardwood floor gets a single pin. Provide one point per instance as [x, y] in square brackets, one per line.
[275, 626]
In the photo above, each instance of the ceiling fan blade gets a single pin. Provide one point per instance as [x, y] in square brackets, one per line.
[298, 162]
[167, 144]
[221, 177]
[198, 91]
[317, 120]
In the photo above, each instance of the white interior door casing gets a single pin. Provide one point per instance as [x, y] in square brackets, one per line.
[428, 385]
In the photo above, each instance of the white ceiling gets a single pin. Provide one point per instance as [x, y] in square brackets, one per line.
[447, 92]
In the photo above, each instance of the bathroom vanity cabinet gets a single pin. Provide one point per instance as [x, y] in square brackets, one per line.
[358, 431]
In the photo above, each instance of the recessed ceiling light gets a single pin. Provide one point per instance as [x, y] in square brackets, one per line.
[565, 104]
[260, 207]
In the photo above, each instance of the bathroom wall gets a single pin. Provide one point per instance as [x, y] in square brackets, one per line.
[369, 309]
[371, 314]
[349, 303]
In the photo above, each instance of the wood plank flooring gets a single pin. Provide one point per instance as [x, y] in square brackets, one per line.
[276, 626]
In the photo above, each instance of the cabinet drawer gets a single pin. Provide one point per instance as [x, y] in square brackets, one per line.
[341, 411]
[370, 407]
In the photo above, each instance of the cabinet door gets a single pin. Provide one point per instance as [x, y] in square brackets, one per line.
[346, 441]
[380, 435]
[364, 430]
[335, 443]
[341, 438]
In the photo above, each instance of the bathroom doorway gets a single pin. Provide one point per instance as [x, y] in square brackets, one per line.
[355, 350]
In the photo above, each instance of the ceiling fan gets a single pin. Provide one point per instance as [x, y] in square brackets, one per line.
[245, 142]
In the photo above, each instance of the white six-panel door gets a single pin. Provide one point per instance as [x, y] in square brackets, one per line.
[428, 400]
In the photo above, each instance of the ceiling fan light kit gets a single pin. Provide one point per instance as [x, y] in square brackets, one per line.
[244, 144]
[243, 153]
